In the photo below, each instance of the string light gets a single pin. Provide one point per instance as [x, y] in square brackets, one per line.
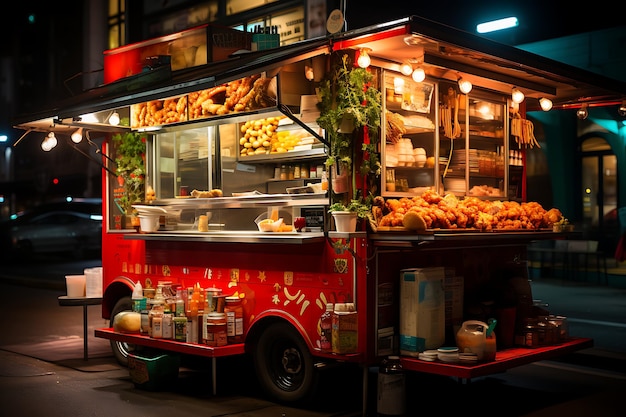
[465, 86]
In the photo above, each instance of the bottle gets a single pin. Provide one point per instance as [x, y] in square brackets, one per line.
[391, 397]
[234, 319]
[326, 326]
[180, 303]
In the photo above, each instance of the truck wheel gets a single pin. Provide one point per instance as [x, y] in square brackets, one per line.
[121, 349]
[284, 366]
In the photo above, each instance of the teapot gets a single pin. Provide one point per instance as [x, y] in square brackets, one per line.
[477, 337]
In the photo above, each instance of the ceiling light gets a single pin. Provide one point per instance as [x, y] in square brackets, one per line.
[364, 59]
[465, 86]
[406, 68]
[114, 119]
[77, 136]
[583, 112]
[419, 75]
[308, 73]
[517, 96]
[545, 103]
[622, 109]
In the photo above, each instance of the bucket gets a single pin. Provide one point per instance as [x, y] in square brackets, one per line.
[93, 284]
[75, 285]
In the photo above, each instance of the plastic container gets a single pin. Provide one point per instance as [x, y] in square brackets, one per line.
[75, 285]
[234, 319]
[391, 395]
[153, 372]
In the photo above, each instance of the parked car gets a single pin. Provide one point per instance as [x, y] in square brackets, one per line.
[73, 228]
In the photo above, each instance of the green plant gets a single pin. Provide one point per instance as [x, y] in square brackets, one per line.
[362, 208]
[347, 92]
[130, 154]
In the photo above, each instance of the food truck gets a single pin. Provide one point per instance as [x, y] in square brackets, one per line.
[220, 182]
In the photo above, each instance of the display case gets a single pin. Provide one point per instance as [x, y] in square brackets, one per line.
[410, 136]
[472, 142]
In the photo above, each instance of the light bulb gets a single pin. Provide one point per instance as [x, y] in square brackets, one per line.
[49, 142]
[465, 86]
[308, 73]
[517, 96]
[364, 59]
[419, 75]
[582, 113]
[114, 119]
[622, 109]
[77, 136]
[545, 103]
[406, 68]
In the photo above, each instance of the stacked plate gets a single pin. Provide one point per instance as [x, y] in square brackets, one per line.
[448, 354]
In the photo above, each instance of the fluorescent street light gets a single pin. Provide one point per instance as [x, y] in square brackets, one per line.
[507, 22]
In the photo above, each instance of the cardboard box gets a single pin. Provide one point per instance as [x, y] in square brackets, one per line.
[422, 310]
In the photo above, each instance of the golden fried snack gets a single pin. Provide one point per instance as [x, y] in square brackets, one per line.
[412, 220]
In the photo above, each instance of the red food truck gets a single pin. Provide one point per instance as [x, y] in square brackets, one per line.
[215, 162]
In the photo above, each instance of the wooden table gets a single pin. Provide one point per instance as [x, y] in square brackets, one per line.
[66, 301]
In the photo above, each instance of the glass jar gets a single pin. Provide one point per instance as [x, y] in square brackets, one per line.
[234, 319]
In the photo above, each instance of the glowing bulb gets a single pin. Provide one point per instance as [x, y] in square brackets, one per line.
[77, 136]
[545, 103]
[419, 75]
[622, 109]
[582, 113]
[49, 142]
[308, 73]
[114, 119]
[517, 96]
[465, 86]
[364, 59]
[406, 68]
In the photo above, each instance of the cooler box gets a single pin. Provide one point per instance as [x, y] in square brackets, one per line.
[154, 371]
[422, 310]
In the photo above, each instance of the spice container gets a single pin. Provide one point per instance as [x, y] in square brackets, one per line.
[234, 319]
[216, 330]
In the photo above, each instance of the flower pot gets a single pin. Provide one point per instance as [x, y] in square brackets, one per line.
[345, 221]
[340, 182]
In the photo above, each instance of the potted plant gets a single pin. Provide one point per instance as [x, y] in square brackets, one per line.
[130, 154]
[350, 114]
[346, 216]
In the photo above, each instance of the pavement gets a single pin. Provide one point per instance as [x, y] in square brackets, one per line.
[42, 368]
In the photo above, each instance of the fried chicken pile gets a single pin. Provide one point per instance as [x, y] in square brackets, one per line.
[450, 212]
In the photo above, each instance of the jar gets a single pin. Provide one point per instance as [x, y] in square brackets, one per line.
[180, 328]
[283, 172]
[234, 319]
[216, 329]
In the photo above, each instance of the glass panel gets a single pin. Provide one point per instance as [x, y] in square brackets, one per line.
[452, 134]
[409, 151]
[486, 146]
[183, 162]
[238, 6]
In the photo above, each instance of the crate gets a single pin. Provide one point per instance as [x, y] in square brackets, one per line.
[153, 371]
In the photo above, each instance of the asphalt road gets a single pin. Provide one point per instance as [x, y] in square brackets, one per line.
[42, 370]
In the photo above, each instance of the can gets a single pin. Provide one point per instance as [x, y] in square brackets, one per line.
[391, 399]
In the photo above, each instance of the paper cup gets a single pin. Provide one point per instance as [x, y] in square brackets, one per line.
[75, 285]
[149, 223]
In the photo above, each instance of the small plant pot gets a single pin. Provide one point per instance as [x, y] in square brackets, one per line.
[345, 221]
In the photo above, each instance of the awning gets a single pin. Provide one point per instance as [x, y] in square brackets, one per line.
[444, 52]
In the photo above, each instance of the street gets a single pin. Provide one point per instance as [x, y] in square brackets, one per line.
[43, 370]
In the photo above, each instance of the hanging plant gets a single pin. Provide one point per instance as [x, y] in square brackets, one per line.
[130, 155]
[347, 98]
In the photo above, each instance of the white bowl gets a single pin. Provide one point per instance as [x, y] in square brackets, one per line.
[269, 225]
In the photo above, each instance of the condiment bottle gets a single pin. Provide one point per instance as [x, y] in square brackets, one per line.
[234, 319]
[391, 399]
[326, 326]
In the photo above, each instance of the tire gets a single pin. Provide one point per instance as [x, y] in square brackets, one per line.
[121, 349]
[284, 366]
